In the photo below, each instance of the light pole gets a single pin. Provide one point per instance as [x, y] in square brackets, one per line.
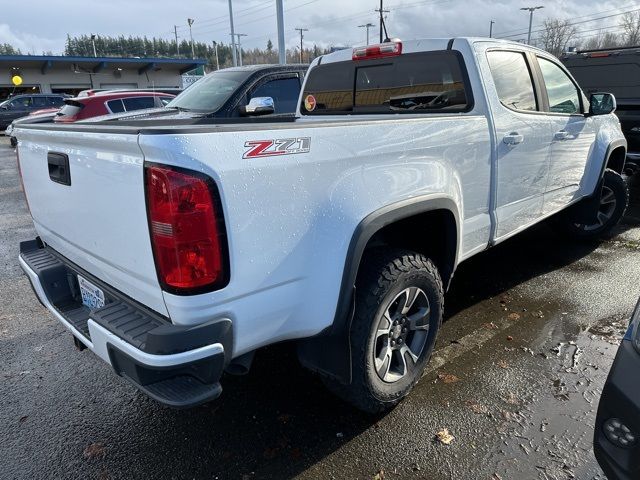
[175, 32]
[93, 42]
[240, 47]
[491, 29]
[193, 50]
[367, 26]
[233, 36]
[531, 10]
[282, 53]
[215, 46]
[301, 37]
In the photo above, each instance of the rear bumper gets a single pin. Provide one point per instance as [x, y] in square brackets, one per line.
[620, 399]
[176, 365]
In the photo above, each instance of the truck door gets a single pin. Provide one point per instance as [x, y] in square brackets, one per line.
[522, 141]
[573, 135]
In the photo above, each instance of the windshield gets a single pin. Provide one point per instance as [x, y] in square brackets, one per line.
[209, 93]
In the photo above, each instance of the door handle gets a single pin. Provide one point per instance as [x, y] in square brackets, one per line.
[59, 168]
[513, 138]
[561, 135]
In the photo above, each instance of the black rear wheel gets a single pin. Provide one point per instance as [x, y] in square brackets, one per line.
[399, 304]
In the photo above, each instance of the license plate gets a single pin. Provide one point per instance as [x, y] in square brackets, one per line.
[92, 296]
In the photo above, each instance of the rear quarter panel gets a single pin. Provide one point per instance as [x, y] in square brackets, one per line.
[290, 218]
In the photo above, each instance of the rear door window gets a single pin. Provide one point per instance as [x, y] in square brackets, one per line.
[425, 82]
[39, 102]
[284, 91]
[138, 103]
[55, 101]
[115, 106]
[512, 79]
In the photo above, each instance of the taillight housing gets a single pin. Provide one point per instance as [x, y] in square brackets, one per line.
[381, 50]
[187, 230]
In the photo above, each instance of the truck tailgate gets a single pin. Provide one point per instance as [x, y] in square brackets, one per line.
[98, 220]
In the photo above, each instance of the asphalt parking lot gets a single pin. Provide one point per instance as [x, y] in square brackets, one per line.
[530, 332]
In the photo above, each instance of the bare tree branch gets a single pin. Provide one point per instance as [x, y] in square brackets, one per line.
[630, 25]
[556, 36]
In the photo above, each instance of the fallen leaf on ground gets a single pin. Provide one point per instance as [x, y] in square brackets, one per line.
[513, 316]
[445, 437]
[379, 475]
[477, 408]
[270, 453]
[490, 326]
[512, 399]
[448, 378]
[94, 450]
[509, 338]
[503, 364]
[284, 418]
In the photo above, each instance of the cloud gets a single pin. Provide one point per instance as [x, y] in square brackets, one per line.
[29, 43]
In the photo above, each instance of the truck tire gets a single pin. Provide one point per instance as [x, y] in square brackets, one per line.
[614, 197]
[399, 305]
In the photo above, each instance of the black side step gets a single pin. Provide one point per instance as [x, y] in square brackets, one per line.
[181, 392]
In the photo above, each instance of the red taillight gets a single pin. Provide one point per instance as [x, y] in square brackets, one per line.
[187, 232]
[380, 50]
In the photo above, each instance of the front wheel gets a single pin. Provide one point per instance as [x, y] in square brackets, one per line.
[614, 197]
[399, 305]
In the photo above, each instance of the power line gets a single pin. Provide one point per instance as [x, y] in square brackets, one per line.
[576, 23]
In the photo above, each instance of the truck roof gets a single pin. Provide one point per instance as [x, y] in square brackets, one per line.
[424, 44]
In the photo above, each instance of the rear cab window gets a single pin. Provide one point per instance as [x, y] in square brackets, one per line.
[424, 82]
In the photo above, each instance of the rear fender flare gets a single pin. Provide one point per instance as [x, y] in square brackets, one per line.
[329, 352]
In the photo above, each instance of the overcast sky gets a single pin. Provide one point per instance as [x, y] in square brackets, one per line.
[44, 25]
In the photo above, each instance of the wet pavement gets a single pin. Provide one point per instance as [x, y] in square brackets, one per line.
[531, 330]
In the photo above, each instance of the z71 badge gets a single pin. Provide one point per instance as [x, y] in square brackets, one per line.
[283, 146]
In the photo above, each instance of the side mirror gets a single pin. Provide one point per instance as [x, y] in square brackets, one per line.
[4, 107]
[259, 106]
[602, 103]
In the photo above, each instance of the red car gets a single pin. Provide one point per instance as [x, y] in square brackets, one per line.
[104, 103]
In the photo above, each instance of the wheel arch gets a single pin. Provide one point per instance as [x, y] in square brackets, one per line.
[329, 352]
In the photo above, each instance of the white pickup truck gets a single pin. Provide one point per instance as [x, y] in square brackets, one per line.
[174, 249]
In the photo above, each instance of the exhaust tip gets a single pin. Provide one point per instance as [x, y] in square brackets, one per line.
[240, 365]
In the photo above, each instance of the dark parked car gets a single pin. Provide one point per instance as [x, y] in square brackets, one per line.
[226, 93]
[617, 434]
[22, 105]
[615, 71]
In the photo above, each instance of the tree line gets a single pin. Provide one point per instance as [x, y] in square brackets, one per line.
[557, 35]
[106, 46]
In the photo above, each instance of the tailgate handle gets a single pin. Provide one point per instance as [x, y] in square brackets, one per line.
[59, 168]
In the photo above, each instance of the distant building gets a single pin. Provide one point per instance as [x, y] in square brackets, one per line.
[59, 74]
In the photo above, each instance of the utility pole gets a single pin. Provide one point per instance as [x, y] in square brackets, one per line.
[382, 11]
[491, 29]
[175, 31]
[233, 37]
[531, 10]
[240, 47]
[93, 42]
[301, 37]
[215, 46]
[367, 26]
[193, 50]
[282, 53]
